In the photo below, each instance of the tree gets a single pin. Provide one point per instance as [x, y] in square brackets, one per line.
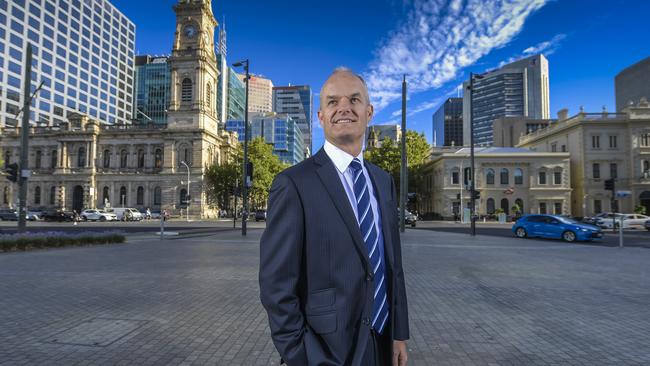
[640, 210]
[388, 157]
[220, 180]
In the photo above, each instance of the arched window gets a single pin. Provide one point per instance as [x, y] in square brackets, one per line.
[38, 158]
[37, 195]
[519, 176]
[107, 158]
[5, 196]
[208, 95]
[140, 158]
[184, 155]
[489, 177]
[105, 196]
[646, 165]
[123, 196]
[54, 159]
[505, 206]
[140, 196]
[186, 90]
[157, 196]
[7, 158]
[490, 206]
[504, 176]
[520, 205]
[81, 157]
[52, 195]
[158, 157]
[124, 156]
[183, 197]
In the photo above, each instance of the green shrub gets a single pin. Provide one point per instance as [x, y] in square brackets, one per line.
[27, 241]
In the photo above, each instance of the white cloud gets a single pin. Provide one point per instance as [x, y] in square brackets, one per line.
[547, 48]
[438, 39]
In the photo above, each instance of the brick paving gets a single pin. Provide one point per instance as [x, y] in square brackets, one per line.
[473, 301]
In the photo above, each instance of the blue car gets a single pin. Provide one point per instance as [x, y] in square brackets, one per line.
[555, 227]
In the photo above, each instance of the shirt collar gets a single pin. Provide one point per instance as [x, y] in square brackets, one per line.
[340, 158]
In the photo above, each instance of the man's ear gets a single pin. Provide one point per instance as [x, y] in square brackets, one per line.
[371, 112]
[320, 118]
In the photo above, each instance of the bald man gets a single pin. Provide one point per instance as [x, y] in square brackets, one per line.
[331, 277]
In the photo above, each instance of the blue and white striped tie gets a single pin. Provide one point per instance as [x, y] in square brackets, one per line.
[371, 238]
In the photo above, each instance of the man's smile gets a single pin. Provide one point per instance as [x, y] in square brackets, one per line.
[343, 120]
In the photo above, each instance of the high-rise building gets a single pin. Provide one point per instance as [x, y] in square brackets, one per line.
[152, 89]
[520, 88]
[82, 52]
[231, 92]
[632, 84]
[297, 102]
[260, 94]
[448, 123]
[280, 130]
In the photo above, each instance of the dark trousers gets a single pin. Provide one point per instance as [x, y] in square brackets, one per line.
[379, 350]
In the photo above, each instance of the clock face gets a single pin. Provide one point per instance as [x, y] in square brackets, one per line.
[189, 31]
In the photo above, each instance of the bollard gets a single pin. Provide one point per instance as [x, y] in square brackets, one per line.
[620, 233]
[162, 225]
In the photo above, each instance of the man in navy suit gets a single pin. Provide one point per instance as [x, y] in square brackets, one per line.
[331, 276]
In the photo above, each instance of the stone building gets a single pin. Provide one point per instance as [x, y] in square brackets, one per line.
[602, 146]
[535, 182]
[86, 163]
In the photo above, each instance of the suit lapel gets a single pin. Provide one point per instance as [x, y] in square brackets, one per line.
[381, 189]
[330, 178]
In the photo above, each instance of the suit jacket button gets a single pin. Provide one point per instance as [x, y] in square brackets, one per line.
[369, 277]
[366, 321]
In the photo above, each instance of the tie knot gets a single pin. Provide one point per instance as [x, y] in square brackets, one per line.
[355, 165]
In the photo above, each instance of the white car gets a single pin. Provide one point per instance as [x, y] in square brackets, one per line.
[629, 221]
[127, 214]
[97, 215]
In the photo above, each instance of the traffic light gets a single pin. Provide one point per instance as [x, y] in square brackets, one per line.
[609, 185]
[12, 172]
[249, 171]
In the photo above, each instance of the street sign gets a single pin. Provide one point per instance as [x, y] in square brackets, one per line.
[623, 193]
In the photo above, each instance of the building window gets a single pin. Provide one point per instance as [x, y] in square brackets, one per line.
[557, 208]
[107, 158]
[158, 157]
[596, 170]
[489, 176]
[557, 177]
[595, 142]
[186, 90]
[5, 195]
[542, 207]
[646, 166]
[554, 147]
[613, 170]
[183, 197]
[39, 157]
[123, 158]
[52, 195]
[645, 140]
[37, 195]
[505, 206]
[504, 176]
[105, 196]
[140, 158]
[81, 157]
[563, 148]
[519, 176]
[54, 159]
[208, 95]
[598, 206]
[140, 196]
[490, 206]
[454, 177]
[157, 196]
[7, 158]
[123, 196]
[612, 142]
[542, 177]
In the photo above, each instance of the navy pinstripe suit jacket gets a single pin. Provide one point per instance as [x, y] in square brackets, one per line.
[316, 282]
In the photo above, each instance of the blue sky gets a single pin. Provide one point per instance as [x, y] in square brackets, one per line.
[437, 43]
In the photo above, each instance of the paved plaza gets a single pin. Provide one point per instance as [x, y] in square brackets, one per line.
[194, 301]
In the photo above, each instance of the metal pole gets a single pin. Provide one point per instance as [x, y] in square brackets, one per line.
[187, 202]
[245, 173]
[471, 150]
[620, 233]
[24, 149]
[403, 170]
[461, 209]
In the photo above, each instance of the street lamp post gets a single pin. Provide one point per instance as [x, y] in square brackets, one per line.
[472, 186]
[246, 64]
[187, 202]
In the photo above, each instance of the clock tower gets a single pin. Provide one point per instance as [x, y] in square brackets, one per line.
[193, 66]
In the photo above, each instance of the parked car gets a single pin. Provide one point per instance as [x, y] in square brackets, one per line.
[555, 227]
[33, 216]
[260, 215]
[629, 221]
[59, 216]
[155, 214]
[647, 225]
[593, 220]
[8, 214]
[409, 218]
[127, 214]
[97, 215]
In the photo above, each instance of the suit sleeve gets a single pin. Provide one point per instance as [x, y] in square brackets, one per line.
[281, 249]
[400, 313]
